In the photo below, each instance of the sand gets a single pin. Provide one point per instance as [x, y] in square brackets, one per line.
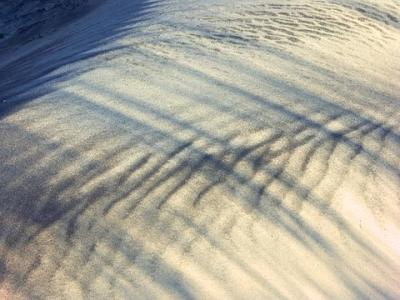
[204, 150]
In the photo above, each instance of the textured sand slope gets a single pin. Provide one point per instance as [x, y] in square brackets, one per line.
[22, 21]
[204, 150]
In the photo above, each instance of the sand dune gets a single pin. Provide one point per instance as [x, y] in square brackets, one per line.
[204, 150]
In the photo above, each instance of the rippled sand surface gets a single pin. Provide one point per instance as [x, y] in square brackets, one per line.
[204, 150]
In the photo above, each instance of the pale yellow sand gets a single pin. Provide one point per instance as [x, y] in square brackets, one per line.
[230, 150]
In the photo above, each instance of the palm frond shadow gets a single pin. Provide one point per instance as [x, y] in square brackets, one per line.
[96, 204]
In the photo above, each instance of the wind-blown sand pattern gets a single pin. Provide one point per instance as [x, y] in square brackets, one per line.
[211, 149]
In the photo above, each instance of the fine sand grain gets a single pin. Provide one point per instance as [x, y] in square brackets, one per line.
[214, 149]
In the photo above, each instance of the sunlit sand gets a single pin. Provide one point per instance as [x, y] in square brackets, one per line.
[204, 150]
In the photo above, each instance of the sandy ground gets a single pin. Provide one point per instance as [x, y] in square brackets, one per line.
[204, 150]
[23, 21]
